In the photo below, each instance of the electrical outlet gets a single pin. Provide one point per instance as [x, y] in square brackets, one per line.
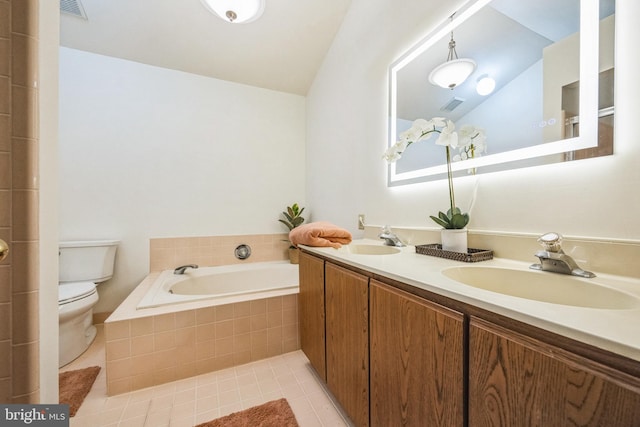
[361, 222]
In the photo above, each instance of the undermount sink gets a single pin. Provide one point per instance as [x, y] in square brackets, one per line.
[361, 249]
[543, 286]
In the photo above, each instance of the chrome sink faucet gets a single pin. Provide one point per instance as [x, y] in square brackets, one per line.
[390, 239]
[553, 258]
[182, 268]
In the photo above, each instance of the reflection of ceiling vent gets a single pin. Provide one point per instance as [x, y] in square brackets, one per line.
[451, 105]
[73, 7]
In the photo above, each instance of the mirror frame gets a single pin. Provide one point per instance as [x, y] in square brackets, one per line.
[588, 105]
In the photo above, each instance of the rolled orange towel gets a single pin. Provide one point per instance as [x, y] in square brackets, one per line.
[320, 233]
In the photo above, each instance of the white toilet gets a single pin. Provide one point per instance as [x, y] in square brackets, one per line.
[83, 264]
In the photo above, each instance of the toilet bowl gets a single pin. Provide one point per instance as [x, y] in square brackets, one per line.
[83, 265]
[75, 309]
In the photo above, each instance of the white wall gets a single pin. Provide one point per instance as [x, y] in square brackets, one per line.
[150, 152]
[346, 136]
[347, 112]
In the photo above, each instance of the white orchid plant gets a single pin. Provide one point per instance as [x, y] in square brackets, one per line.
[470, 142]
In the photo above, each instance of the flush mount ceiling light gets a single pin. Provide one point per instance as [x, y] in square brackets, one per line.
[236, 11]
[454, 71]
[485, 85]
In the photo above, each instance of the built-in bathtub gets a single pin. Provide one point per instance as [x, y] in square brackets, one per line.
[223, 284]
[176, 326]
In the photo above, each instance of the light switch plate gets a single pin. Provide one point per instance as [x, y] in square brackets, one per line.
[361, 222]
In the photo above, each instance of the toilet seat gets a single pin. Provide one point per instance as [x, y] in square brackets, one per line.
[74, 291]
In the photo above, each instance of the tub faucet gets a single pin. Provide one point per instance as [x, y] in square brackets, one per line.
[390, 239]
[182, 268]
[553, 258]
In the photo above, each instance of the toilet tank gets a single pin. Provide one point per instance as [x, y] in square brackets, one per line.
[90, 261]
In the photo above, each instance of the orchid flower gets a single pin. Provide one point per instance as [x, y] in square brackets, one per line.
[448, 136]
[470, 141]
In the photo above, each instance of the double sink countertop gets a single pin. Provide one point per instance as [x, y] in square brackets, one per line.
[612, 329]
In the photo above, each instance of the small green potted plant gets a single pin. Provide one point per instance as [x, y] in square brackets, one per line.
[292, 219]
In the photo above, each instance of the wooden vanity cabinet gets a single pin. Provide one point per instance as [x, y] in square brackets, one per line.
[311, 311]
[417, 360]
[333, 306]
[392, 358]
[517, 380]
[347, 340]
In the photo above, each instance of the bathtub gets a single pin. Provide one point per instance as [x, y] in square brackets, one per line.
[173, 327]
[223, 284]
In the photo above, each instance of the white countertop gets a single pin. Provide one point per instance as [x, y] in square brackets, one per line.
[613, 330]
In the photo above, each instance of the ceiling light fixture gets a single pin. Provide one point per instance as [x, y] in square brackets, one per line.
[453, 71]
[485, 85]
[236, 11]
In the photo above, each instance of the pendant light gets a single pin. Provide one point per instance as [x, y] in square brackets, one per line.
[453, 71]
[236, 11]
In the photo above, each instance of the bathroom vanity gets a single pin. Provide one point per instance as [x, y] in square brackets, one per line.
[399, 343]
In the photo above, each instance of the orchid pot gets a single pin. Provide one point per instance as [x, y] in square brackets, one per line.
[454, 240]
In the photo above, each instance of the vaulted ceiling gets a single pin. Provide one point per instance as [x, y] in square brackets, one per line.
[282, 50]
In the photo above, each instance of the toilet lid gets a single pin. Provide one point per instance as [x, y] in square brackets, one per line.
[69, 292]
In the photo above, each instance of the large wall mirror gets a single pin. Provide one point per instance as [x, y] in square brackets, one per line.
[553, 67]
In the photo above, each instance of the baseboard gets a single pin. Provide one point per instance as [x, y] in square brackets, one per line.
[100, 317]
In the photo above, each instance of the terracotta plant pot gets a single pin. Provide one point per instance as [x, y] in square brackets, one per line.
[294, 255]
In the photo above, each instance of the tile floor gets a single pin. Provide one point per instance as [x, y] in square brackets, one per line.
[195, 400]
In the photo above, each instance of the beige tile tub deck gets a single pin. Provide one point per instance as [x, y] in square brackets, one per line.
[155, 349]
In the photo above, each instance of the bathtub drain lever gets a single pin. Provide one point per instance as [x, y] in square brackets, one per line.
[243, 251]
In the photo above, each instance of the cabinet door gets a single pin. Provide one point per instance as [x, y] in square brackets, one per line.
[347, 311]
[311, 311]
[515, 380]
[417, 361]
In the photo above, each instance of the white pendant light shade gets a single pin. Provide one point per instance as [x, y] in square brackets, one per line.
[452, 73]
[236, 11]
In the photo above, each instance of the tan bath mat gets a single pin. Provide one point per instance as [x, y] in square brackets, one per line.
[75, 385]
[276, 413]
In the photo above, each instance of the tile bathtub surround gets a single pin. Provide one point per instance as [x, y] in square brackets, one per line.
[168, 253]
[148, 351]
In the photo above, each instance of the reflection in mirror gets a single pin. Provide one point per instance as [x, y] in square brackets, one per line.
[538, 112]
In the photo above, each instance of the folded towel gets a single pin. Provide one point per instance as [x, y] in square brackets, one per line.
[320, 233]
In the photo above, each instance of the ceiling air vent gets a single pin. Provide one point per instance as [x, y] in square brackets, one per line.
[73, 7]
[452, 104]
